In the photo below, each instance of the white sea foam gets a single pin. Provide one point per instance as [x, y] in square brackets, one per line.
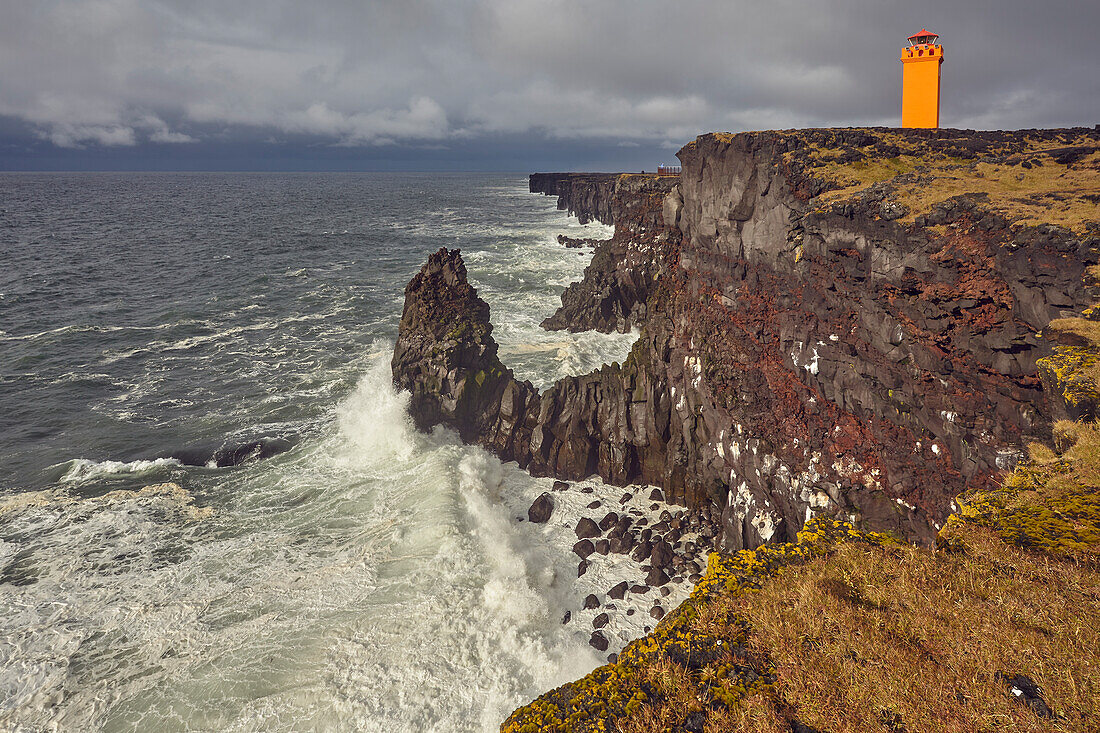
[373, 578]
[377, 578]
[82, 469]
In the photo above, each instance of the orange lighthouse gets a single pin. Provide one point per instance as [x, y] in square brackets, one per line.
[920, 82]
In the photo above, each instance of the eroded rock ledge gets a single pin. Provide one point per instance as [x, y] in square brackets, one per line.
[842, 322]
[615, 289]
[586, 196]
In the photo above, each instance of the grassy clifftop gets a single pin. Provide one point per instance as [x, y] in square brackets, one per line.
[1047, 177]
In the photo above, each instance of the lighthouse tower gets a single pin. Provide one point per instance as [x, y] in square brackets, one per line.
[920, 83]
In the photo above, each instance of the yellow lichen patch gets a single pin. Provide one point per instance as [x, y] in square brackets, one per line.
[1050, 503]
[1072, 372]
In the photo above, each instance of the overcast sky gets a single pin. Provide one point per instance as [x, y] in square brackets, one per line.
[503, 84]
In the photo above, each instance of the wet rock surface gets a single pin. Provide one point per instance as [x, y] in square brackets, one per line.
[541, 509]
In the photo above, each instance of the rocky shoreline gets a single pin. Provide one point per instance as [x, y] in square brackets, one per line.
[638, 556]
[811, 343]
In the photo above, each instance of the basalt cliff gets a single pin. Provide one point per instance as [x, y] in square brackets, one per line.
[833, 323]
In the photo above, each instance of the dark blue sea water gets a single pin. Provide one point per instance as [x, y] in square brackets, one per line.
[368, 578]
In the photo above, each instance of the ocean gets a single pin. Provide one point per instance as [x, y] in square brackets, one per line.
[158, 328]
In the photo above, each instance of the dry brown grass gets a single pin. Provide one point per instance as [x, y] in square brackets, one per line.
[872, 633]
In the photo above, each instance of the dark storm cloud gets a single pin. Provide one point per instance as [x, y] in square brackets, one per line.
[419, 74]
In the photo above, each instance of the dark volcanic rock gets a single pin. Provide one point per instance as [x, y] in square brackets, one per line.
[614, 292]
[582, 568]
[828, 358]
[661, 555]
[618, 592]
[574, 243]
[587, 528]
[657, 612]
[584, 195]
[603, 547]
[656, 578]
[642, 551]
[541, 509]
[598, 641]
[609, 520]
[591, 601]
[446, 357]
[584, 548]
[600, 621]
[560, 486]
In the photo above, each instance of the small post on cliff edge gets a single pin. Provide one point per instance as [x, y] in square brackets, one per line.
[920, 82]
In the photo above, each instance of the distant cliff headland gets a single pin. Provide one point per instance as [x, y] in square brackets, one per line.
[842, 332]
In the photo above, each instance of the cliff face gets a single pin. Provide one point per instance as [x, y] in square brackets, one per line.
[834, 322]
[586, 196]
[617, 284]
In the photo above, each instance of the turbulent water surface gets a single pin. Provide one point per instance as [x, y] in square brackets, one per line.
[368, 577]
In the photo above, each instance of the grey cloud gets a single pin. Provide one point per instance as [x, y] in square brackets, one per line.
[432, 72]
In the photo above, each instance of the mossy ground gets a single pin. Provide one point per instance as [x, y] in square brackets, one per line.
[1033, 183]
[851, 631]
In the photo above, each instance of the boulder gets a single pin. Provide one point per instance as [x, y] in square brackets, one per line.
[541, 509]
[656, 577]
[661, 555]
[591, 601]
[598, 641]
[657, 612]
[600, 621]
[560, 486]
[587, 528]
[602, 547]
[618, 592]
[584, 548]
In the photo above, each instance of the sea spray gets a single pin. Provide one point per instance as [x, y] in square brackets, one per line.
[371, 577]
